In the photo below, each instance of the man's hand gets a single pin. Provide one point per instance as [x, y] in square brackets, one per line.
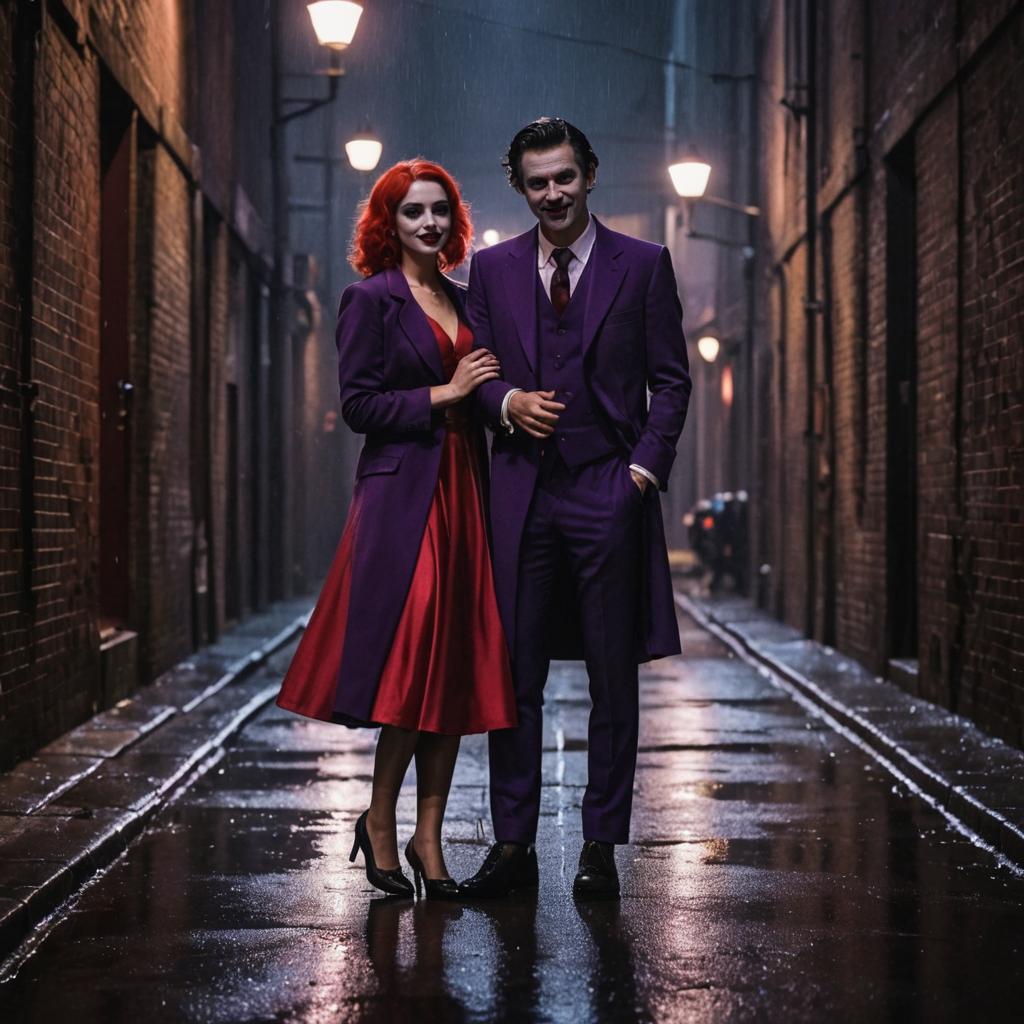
[640, 480]
[535, 412]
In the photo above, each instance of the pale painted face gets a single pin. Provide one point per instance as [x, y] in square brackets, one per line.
[556, 190]
[423, 219]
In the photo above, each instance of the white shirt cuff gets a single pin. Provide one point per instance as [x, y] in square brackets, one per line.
[647, 473]
[505, 421]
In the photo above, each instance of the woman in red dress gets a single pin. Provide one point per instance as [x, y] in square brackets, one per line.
[406, 633]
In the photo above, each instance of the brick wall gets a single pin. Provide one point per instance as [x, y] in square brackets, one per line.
[944, 80]
[988, 647]
[938, 192]
[199, 262]
[54, 682]
[164, 560]
[14, 622]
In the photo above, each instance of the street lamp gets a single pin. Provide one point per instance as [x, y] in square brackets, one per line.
[334, 22]
[491, 237]
[690, 180]
[708, 347]
[364, 152]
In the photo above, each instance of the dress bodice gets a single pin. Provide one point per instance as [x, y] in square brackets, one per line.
[457, 415]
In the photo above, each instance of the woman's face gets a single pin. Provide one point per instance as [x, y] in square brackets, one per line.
[423, 219]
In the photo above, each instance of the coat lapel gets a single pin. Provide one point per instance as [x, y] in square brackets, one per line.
[520, 281]
[608, 274]
[414, 323]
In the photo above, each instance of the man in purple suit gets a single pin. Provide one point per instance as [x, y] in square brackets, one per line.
[585, 322]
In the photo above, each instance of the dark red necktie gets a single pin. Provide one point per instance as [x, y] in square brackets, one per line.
[560, 279]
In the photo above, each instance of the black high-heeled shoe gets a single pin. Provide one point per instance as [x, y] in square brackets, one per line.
[437, 888]
[392, 881]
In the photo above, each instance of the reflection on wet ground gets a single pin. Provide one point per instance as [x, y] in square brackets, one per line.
[776, 874]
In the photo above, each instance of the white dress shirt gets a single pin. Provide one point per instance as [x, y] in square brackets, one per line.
[580, 250]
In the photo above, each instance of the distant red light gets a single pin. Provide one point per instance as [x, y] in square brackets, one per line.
[707, 522]
[727, 387]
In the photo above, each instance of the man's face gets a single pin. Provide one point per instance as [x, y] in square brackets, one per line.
[556, 190]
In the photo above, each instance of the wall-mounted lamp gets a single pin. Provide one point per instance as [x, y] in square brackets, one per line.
[335, 22]
[364, 152]
[708, 347]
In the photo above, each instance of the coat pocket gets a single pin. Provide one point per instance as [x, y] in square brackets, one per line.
[373, 465]
[625, 316]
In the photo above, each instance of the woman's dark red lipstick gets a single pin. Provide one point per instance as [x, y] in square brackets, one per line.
[430, 239]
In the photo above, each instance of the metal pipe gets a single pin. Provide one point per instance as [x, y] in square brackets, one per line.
[811, 308]
[28, 28]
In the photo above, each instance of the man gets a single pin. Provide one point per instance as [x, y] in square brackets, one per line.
[584, 321]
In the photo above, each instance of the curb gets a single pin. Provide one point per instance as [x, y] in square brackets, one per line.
[102, 834]
[980, 821]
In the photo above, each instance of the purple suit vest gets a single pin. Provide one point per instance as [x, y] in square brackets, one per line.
[583, 434]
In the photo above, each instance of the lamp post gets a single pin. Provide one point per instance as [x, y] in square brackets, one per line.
[334, 22]
[362, 153]
[690, 177]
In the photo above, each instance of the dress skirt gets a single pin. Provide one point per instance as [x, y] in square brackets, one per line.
[447, 670]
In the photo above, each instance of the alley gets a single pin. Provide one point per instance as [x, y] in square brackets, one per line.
[776, 874]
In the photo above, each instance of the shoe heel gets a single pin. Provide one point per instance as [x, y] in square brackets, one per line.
[355, 850]
[419, 882]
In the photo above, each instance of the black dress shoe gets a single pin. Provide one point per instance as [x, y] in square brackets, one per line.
[507, 867]
[437, 888]
[597, 877]
[392, 881]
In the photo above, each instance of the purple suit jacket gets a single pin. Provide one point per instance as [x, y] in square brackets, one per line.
[387, 362]
[632, 342]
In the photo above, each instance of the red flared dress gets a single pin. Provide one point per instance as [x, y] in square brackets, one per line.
[448, 667]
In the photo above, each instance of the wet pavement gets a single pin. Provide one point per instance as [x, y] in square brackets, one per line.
[777, 873]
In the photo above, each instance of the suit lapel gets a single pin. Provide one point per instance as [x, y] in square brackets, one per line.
[520, 280]
[609, 272]
[414, 323]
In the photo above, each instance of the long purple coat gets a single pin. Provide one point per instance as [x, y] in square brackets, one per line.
[632, 341]
[387, 362]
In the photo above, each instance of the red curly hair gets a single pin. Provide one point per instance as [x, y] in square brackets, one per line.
[375, 245]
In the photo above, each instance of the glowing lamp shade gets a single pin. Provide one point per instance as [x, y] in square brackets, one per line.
[708, 348]
[364, 154]
[335, 21]
[491, 237]
[690, 178]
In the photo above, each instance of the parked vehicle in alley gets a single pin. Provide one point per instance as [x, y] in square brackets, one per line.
[718, 535]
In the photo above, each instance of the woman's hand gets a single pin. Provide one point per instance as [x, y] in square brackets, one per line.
[473, 370]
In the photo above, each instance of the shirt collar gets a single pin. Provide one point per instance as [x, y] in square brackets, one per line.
[580, 248]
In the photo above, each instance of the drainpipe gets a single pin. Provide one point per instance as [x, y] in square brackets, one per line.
[28, 29]
[811, 308]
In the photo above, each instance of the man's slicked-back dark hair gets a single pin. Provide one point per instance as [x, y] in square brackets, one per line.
[546, 133]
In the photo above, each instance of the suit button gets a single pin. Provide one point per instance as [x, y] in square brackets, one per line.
[561, 330]
[568, 394]
[561, 437]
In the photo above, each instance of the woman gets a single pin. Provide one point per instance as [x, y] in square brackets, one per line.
[406, 633]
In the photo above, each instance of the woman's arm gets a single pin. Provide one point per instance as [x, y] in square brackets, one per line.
[365, 404]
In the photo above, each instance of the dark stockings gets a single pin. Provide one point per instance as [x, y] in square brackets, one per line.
[435, 762]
